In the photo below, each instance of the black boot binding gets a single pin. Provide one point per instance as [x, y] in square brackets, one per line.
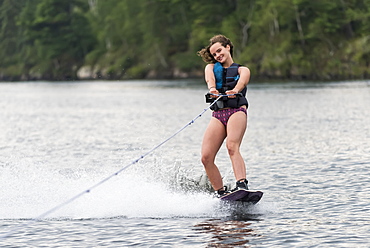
[221, 192]
[241, 184]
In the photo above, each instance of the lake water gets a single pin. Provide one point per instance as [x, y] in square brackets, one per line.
[307, 147]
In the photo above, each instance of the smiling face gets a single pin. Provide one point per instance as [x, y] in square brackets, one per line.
[220, 49]
[220, 53]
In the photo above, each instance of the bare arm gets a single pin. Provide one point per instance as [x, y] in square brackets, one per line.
[210, 79]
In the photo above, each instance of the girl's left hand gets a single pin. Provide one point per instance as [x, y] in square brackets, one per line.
[232, 93]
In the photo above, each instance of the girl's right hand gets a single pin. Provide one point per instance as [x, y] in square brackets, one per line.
[215, 92]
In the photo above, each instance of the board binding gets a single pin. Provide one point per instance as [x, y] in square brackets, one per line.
[243, 195]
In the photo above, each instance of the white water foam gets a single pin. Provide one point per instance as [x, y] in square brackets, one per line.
[29, 191]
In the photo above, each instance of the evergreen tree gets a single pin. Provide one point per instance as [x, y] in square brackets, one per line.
[62, 36]
[11, 41]
[118, 39]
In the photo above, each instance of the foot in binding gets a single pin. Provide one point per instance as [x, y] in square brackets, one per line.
[241, 184]
[222, 192]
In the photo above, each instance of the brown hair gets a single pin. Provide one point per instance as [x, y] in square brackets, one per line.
[206, 54]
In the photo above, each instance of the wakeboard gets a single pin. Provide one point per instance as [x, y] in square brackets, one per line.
[243, 195]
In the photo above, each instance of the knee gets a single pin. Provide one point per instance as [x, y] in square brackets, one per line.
[232, 148]
[207, 160]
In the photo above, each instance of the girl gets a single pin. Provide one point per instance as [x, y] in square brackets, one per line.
[229, 118]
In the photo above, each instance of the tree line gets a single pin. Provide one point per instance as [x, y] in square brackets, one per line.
[125, 39]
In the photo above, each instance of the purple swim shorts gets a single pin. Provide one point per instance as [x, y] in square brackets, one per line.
[223, 115]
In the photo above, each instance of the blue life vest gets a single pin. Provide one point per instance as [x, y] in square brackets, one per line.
[226, 79]
[218, 70]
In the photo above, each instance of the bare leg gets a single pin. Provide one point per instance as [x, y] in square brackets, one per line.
[212, 141]
[236, 127]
